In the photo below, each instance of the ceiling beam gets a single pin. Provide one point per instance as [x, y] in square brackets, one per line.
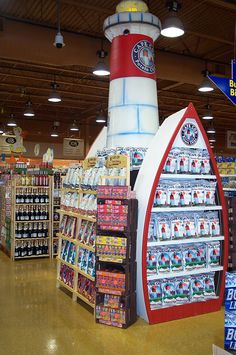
[225, 4]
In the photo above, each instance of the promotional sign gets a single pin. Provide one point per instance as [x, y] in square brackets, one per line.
[230, 311]
[227, 85]
[73, 147]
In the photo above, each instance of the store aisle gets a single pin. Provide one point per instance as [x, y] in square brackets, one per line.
[37, 318]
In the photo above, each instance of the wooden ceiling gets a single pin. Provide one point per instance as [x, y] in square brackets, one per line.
[209, 37]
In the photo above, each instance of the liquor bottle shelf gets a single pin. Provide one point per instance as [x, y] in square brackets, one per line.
[32, 221]
[32, 204]
[30, 239]
[187, 208]
[185, 241]
[32, 256]
[169, 275]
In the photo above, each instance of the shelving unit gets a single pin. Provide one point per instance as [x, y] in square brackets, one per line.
[56, 200]
[31, 235]
[77, 275]
[160, 276]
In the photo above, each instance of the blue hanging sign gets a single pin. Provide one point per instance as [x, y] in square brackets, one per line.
[226, 85]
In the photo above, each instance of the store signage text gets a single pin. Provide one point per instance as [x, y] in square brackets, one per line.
[227, 85]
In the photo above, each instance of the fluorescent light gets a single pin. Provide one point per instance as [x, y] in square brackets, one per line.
[206, 85]
[54, 95]
[101, 118]
[211, 129]
[29, 112]
[54, 134]
[172, 27]
[74, 127]
[11, 122]
[207, 115]
[101, 68]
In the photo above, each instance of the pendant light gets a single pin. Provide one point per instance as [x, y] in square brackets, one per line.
[54, 132]
[212, 138]
[101, 68]
[211, 129]
[207, 115]
[101, 118]
[59, 40]
[29, 112]
[54, 95]
[172, 26]
[74, 127]
[11, 122]
[206, 85]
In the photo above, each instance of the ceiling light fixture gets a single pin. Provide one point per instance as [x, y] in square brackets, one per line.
[207, 115]
[54, 132]
[172, 26]
[206, 85]
[212, 139]
[59, 40]
[29, 112]
[1, 130]
[101, 118]
[101, 68]
[54, 95]
[74, 127]
[12, 122]
[211, 129]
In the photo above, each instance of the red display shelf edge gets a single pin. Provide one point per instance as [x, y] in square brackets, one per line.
[191, 309]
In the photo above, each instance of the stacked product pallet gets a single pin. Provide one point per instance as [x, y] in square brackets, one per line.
[116, 255]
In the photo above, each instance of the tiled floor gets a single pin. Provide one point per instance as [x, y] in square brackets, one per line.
[36, 318]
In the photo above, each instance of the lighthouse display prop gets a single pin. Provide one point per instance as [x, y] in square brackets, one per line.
[133, 107]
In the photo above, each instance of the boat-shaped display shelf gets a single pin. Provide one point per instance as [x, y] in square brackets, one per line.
[182, 224]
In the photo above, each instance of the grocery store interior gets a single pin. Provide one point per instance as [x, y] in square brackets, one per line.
[117, 177]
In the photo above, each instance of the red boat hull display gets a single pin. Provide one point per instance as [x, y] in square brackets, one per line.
[182, 231]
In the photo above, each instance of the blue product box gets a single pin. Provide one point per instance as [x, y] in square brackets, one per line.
[230, 292]
[230, 330]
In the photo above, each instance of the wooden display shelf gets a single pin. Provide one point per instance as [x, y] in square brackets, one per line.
[83, 298]
[185, 241]
[77, 215]
[85, 275]
[34, 221]
[187, 176]
[32, 256]
[62, 236]
[187, 208]
[31, 187]
[90, 192]
[173, 274]
[29, 239]
[74, 267]
[62, 283]
[70, 189]
[85, 246]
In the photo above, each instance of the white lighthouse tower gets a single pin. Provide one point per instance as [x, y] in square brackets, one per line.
[133, 108]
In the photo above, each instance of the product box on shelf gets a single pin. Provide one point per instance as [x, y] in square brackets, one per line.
[230, 311]
[118, 311]
[116, 279]
[116, 249]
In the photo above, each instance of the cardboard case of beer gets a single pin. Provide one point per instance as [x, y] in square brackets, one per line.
[230, 311]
